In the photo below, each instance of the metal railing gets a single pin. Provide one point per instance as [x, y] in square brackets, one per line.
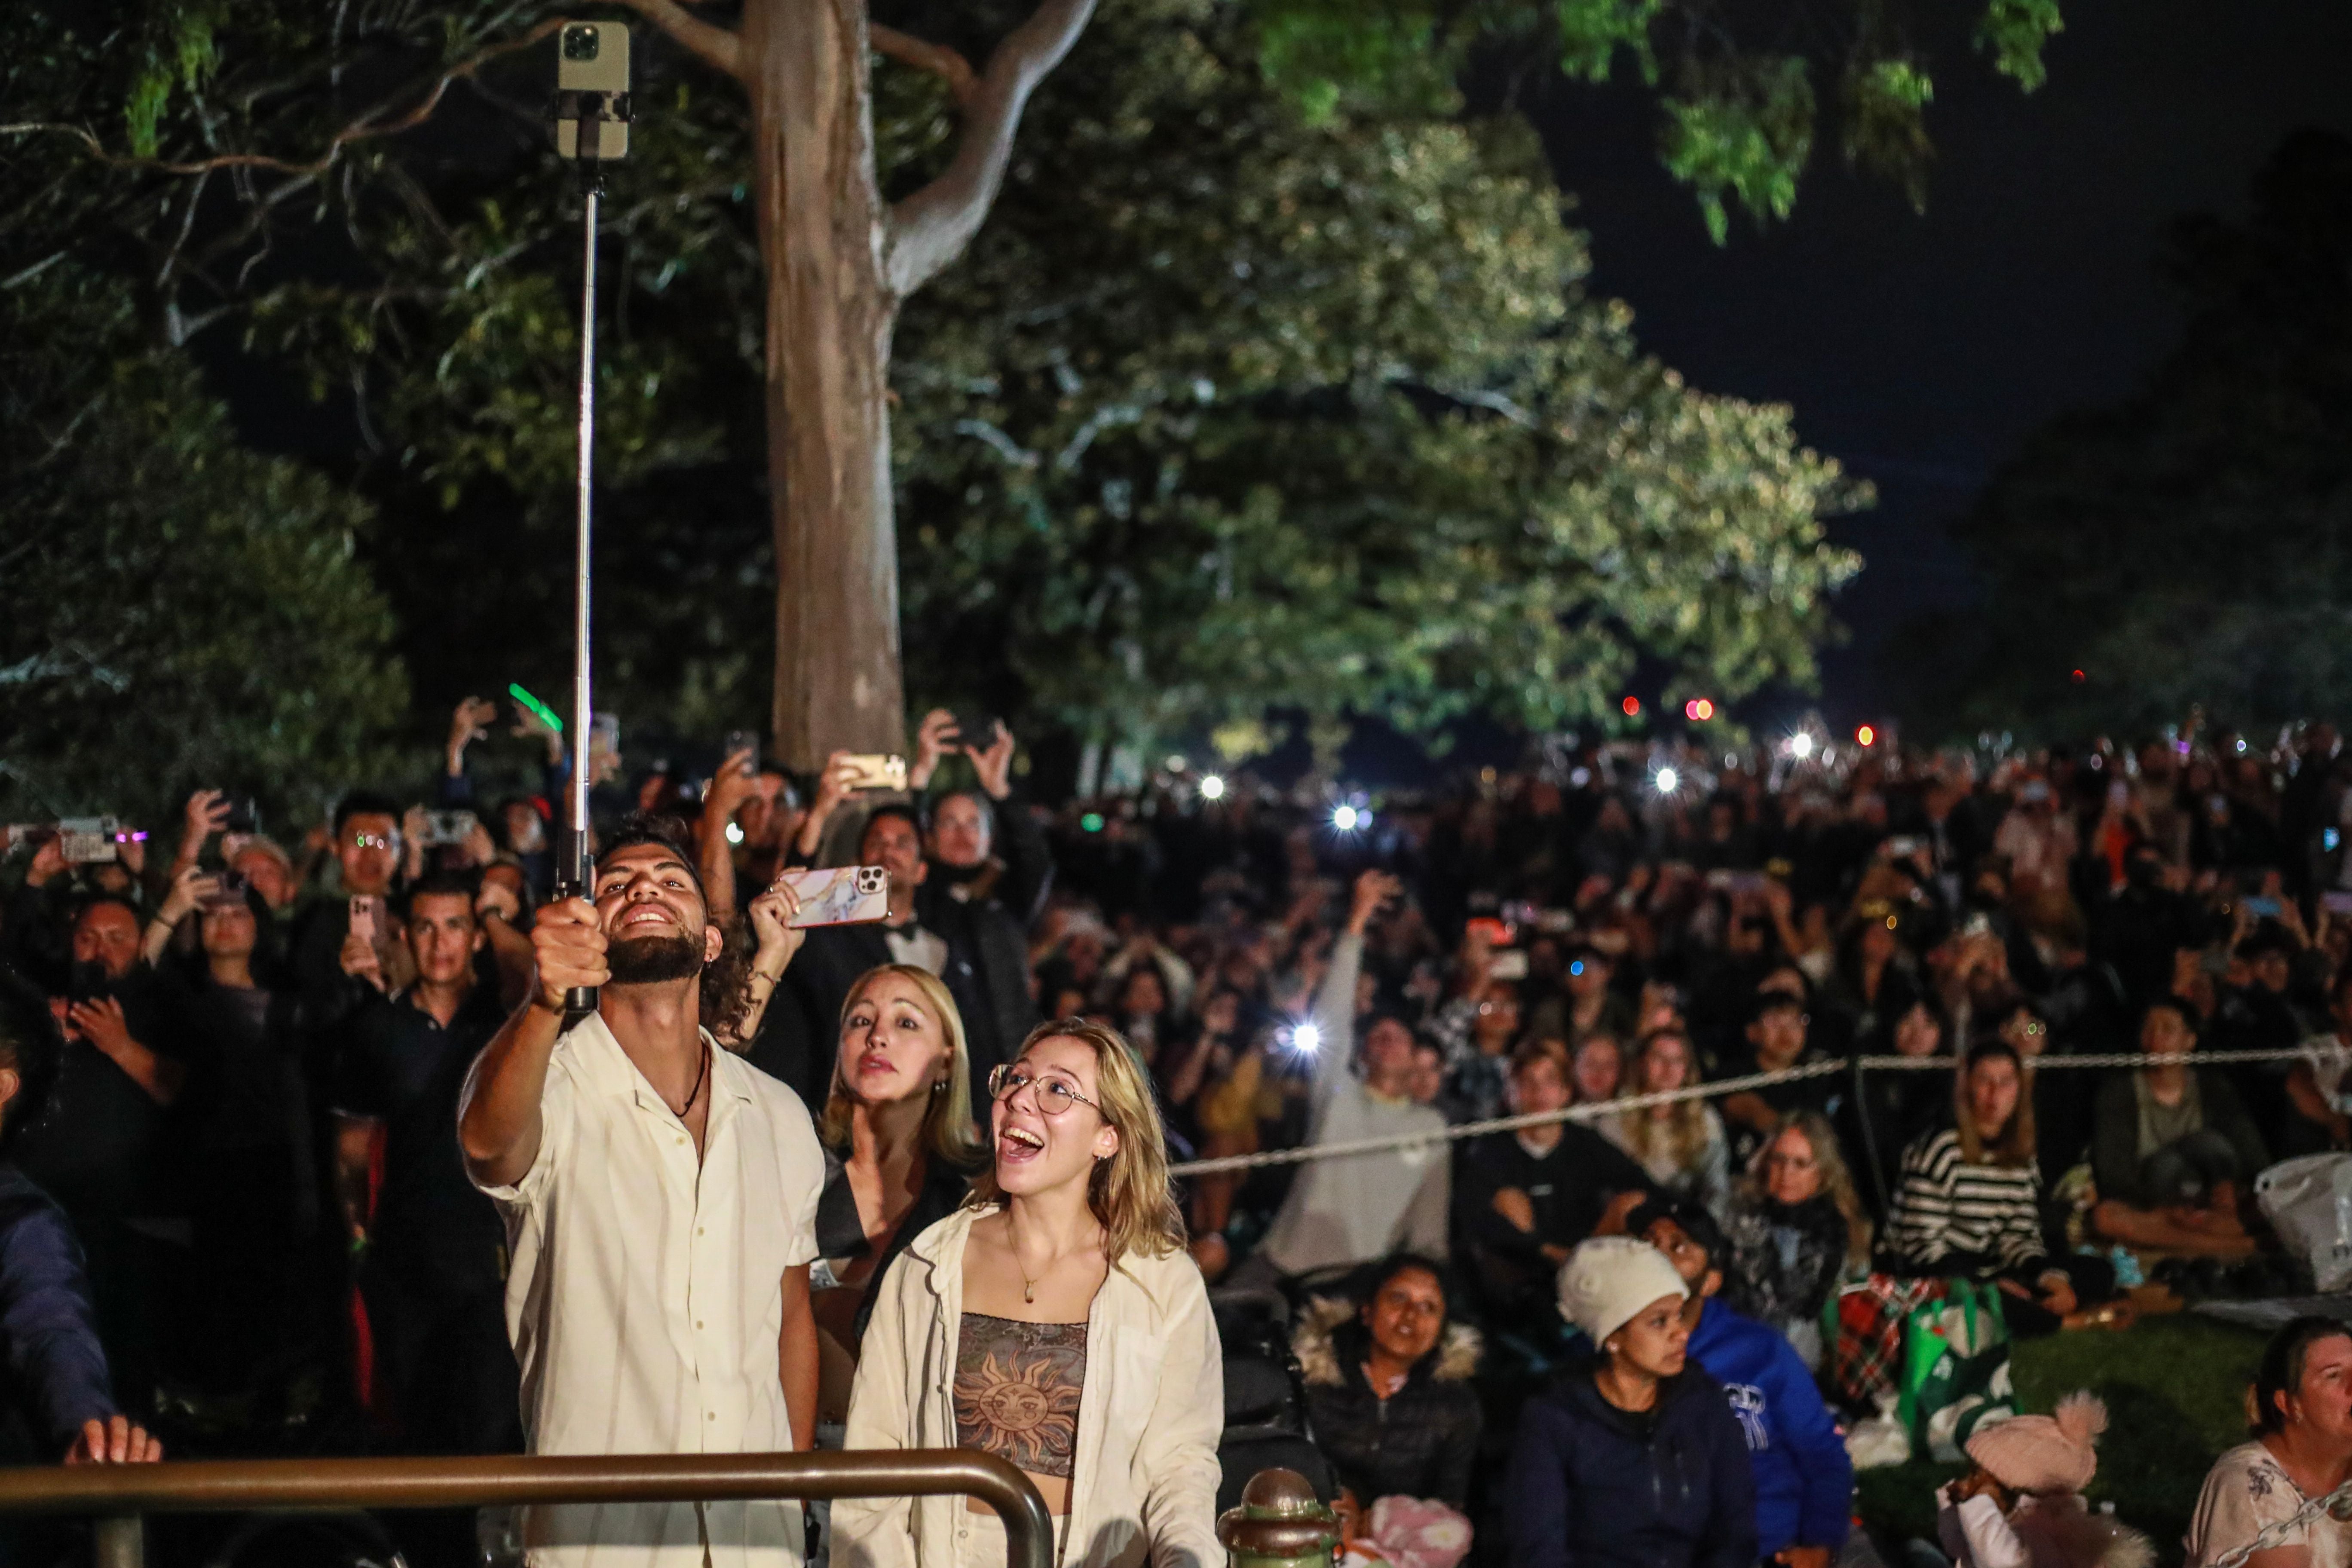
[120, 1496]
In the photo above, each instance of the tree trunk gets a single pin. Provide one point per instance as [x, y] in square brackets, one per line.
[829, 320]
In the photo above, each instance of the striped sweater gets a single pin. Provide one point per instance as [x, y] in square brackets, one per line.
[1947, 1205]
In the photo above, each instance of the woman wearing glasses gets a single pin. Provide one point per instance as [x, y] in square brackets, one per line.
[1055, 1319]
[1796, 1228]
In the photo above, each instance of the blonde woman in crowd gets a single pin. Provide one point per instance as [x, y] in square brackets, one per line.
[1796, 1228]
[1681, 1145]
[1056, 1320]
[900, 1152]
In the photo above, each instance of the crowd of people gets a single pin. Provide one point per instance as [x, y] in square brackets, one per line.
[236, 1077]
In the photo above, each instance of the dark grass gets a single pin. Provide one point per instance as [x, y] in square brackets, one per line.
[2175, 1391]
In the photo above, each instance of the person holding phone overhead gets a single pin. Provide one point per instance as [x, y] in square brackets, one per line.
[342, 950]
[1056, 1320]
[795, 1041]
[660, 1201]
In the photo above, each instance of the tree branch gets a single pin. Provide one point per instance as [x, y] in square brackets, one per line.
[365, 128]
[931, 227]
[945, 63]
[713, 45]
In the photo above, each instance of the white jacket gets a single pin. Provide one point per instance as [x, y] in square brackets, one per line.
[1143, 1486]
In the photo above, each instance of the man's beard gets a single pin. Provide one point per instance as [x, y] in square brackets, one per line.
[649, 960]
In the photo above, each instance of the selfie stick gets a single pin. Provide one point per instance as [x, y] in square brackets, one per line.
[580, 1000]
[592, 110]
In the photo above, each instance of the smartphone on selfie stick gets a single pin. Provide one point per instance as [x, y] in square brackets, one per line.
[591, 118]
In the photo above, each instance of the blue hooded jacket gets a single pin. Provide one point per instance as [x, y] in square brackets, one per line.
[55, 1368]
[1805, 1482]
[1592, 1486]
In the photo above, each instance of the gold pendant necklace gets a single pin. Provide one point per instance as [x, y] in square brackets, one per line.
[1028, 1286]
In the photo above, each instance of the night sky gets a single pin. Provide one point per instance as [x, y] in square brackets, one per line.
[1921, 351]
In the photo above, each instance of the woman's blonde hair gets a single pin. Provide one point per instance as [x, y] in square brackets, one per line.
[1682, 1132]
[1130, 1192]
[1837, 1180]
[948, 1131]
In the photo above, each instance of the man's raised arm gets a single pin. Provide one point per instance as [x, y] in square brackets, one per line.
[498, 1126]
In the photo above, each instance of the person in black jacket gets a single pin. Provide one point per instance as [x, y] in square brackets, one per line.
[797, 1038]
[1633, 1458]
[1389, 1397]
[1524, 1199]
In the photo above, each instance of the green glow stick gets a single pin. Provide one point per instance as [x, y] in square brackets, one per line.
[546, 714]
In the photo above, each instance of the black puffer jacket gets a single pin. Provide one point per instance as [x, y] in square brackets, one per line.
[1419, 1442]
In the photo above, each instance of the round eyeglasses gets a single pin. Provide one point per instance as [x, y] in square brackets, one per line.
[1056, 1097]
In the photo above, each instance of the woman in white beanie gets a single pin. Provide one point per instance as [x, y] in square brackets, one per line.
[1633, 1458]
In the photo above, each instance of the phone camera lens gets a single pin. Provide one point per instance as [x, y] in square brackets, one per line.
[580, 43]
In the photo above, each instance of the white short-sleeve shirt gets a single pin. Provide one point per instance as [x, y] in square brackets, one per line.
[645, 1296]
[2248, 1489]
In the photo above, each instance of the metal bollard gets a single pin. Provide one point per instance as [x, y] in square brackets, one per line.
[1279, 1524]
[118, 1540]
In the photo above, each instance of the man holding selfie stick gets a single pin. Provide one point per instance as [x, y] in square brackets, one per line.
[659, 1195]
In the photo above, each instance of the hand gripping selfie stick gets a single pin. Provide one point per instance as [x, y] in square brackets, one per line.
[591, 128]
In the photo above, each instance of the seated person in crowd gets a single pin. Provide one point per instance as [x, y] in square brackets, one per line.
[2174, 1151]
[1363, 1206]
[1527, 1197]
[1594, 1007]
[1901, 1107]
[1777, 1041]
[1389, 1395]
[1478, 1032]
[1680, 1144]
[1805, 1482]
[1596, 1068]
[1970, 1202]
[2301, 1451]
[1795, 1227]
[2317, 1095]
[1632, 1458]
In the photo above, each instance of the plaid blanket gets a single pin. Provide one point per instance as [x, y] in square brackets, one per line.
[1866, 1351]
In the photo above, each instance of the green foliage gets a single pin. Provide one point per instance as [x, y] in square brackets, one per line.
[1223, 411]
[1592, 32]
[1376, 47]
[175, 610]
[181, 52]
[2015, 31]
[1886, 125]
[1230, 406]
[2188, 545]
[1741, 117]
[1744, 126]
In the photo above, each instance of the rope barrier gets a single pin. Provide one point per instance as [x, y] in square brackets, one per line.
[1588, 1113]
